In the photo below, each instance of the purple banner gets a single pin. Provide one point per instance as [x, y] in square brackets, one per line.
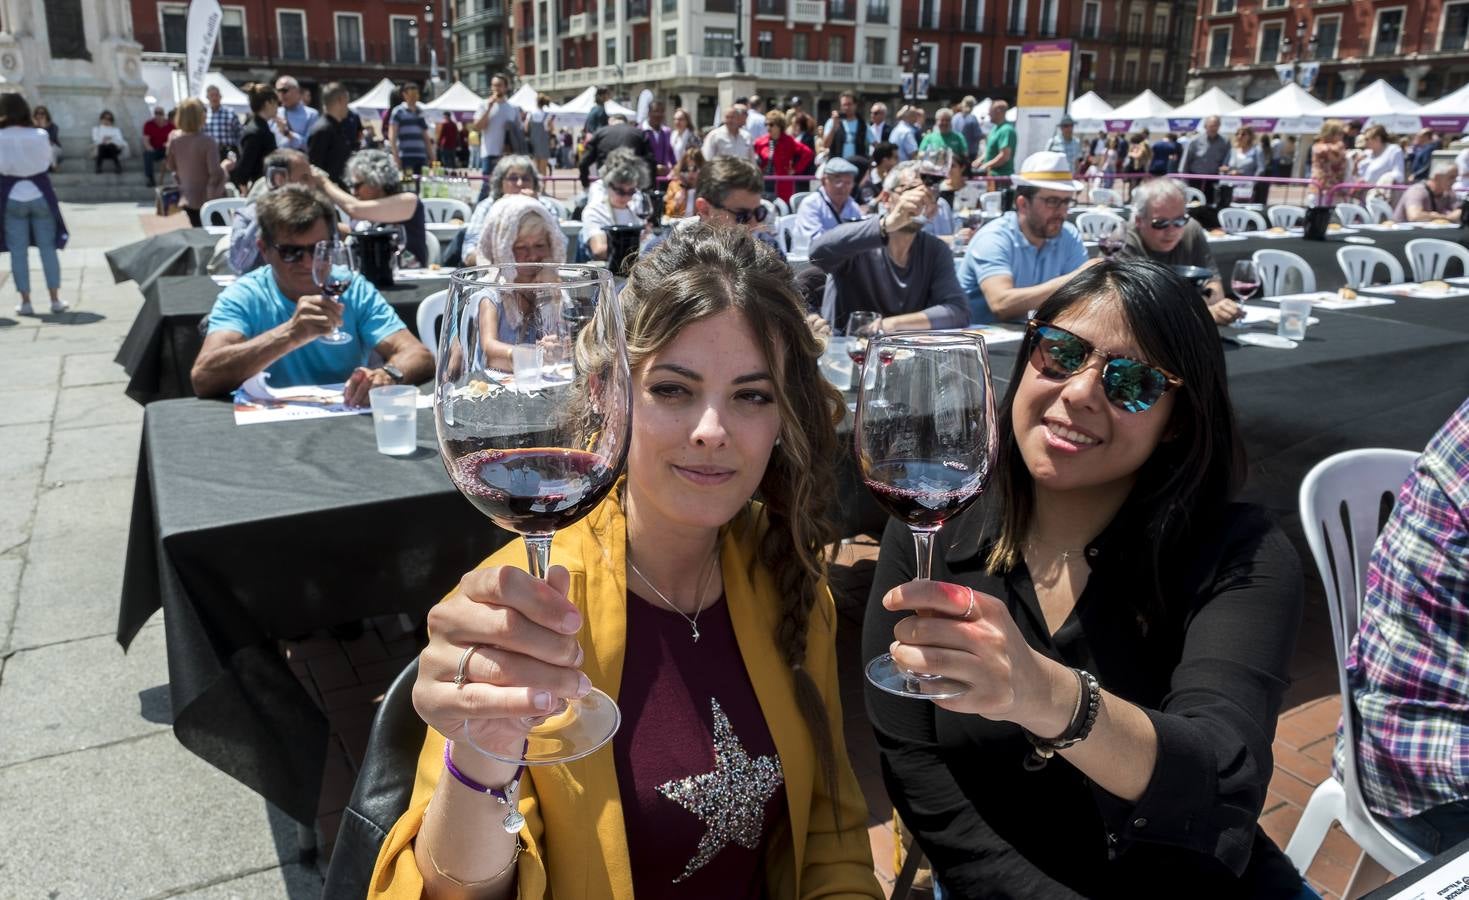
[1047, 47]
[1259, 124]
[1118, 125]
[1183, 124]
[1446, 123]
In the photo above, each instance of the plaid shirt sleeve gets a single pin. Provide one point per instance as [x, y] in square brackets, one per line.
[1409, 664]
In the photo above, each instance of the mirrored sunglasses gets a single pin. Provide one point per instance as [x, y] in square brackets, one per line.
[1129, 384]
[1160, 224]
[743, 216]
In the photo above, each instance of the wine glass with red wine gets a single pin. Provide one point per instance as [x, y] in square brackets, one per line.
[862, 326]
[1244, 280]
[926, 446]
[1112, 238]
[331, 269]
[536, 437]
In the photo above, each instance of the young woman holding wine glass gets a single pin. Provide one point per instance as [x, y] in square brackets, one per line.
[1120, 628]
[707, 617]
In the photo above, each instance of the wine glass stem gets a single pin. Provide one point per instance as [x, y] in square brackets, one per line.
[538, 553]
[922, 566]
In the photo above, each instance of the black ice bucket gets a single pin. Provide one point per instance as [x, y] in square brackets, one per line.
[375, 251]
[622, 247]
[1317, 220]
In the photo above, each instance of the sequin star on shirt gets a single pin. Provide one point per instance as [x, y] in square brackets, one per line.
[730, 800]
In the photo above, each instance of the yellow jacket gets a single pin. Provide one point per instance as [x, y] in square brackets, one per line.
[586, 856]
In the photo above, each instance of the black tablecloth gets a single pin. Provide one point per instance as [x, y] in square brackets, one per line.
[247, 534]
[186, 251]
[1321, 255]
[160, 348]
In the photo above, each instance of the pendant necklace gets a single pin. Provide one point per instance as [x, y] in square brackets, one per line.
[694, 620]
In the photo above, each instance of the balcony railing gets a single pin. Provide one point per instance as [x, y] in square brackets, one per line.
[809, 12]
[490, 14]
[525, 36]
[317, 52]
[485, 56]
[637, 9]
[951, 17]
[680, 67]
[770, 8]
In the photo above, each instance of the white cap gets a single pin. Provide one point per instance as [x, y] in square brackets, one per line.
[1049, 170]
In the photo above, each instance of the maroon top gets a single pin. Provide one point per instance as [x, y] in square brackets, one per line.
[700, 780]
[157, 134]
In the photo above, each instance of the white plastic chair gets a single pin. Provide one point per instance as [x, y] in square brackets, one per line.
[1379, 210]
[1275, 265]
[1430, 256]
[1093, 224]
[1339, 503]
[430, 312]
[782, 208]
[1234, 220]
[1106, 197]
[1190, 193]
[1285, 215]
[1349, 214]
[221, 211]
[440, 210]
[797, 199]
[435, 249]
[797, 246]
[1358, 264]
[991, 202]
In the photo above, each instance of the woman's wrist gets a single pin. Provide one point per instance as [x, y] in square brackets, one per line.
[1056, 702]
[491, 773]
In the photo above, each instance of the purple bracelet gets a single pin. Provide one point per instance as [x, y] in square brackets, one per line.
[514, 821]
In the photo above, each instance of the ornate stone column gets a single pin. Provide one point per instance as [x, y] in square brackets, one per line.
[1415, 75]
[1349, 79]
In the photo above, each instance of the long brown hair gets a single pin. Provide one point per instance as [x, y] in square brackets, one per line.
[699, 272]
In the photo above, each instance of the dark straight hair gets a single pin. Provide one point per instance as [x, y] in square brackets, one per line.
[14, 110]
[1198, 464]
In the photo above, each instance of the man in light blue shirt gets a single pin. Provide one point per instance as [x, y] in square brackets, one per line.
[297, 116]
[270, 319]
[1018, 260]
[832, 203]
[905, 133]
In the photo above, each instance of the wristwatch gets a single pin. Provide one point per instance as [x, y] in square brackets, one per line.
[394, 372]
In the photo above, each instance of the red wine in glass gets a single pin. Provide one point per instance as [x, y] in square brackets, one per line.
[1244, 290]
[331, 269]
[857, 351]
[923, 493]
[531, 490]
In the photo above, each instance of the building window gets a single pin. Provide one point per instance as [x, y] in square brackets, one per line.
[609, 57]
[1219, 47]
[546, 60]
[670, 6]
[928, 14]
[1160, 28]
[1129, 72]
[1047, 23]
[877, 11]
[670, 42]
[1454, 35]
[1275, 4]
[933, 63]
[1388, 32]
[722, 6]
[232, 31]
[836, 48]
[173, 23]
[969, 64]
[1135, 25]
[877, 51]
[349, 37]
[1327, 30]
[1017, 17]
[1269, 42]
[541, 22]
[1155, 72]
[1223, 7]
[1091, 18]
[1086, 66]
[405, 47]
[1012, 65]
[719, 42]
[800, 45]
[291, 26]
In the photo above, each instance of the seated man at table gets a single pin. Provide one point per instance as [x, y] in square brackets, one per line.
[728, 193]
[282, 167]
[1408, 665]
[1432, 199]
[269, 320]
[832, 204]
[1018, 260]
[1162, 230]
[890, 265]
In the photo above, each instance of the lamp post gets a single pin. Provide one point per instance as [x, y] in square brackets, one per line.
[739, 39]
[1301, 44]
[913, 60]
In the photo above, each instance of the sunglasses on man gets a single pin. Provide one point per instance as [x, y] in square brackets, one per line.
[743, 216]
[623, 191]
[293, 253]
[1129, 384]
[1160, 224]
[931, 180]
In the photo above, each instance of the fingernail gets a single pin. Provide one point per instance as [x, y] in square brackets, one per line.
[572, 623]
[893, 647]
[580, 655]
[542, 700]
[583, 686]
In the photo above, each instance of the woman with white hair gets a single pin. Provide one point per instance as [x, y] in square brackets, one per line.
[378, 196]
[614, 200]
[519, 230]
[516, 175]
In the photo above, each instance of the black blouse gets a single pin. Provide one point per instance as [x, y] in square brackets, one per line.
[1209, 672]
[257, 141]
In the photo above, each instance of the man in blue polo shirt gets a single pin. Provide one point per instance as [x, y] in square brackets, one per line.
[1021, 258]
[832, 204]
[270, 319]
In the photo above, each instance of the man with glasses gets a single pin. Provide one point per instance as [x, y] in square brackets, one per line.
[1018, 260]
[832, 203]
[1162, 230]
[729, 192]
[282, 167]
[270, 319]
[293, 124]
[890, 265]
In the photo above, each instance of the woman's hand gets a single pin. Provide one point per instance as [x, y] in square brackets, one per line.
[524, 663]
[981, 646]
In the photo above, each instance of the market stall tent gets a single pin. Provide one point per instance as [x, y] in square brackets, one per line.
[376, 100]
[1447, 114]
[1289, 110]
[1379, 103]
[1146, 110]
[1213, 102]
[1089, 110]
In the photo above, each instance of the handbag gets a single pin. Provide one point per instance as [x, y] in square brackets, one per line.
[166, 199]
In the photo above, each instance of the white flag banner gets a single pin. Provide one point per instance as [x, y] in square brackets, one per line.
[1286, 72]
[204, 20]
[1308, 73]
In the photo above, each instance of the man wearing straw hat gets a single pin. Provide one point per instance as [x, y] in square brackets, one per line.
[1017, 261]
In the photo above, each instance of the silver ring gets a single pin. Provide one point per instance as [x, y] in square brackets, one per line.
[970, 611]
[461, 676]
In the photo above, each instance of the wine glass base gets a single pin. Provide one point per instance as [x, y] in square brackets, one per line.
[886, 675]
[580, 729]
[339, 337]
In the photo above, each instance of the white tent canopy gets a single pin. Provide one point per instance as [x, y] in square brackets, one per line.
[1213, 102]
[1289, 110]
[375, 100]
[1449, 113]
[1146, 110]
[1380, 104]
[525, 98]
[230, 97]
[457, 99]
[579, 106]
[1089, 111]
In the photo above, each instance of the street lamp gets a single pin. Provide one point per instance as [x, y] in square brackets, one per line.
[739, 42]
[914, 60]
[1297, 69]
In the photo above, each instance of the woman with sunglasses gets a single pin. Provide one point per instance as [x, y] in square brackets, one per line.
[780, 154]
[514, 175]
[108, 144]
[616, 199]
[1125, 628]
[378, 196]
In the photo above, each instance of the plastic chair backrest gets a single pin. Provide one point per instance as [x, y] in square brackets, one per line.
[1379, 209]
[429, 314]
[781, 207]
[1192, 194]
[1106, 196]
[1275, 265]
[222, 209]
[970, 196]
[440, 210]
[1285, 215]
[1430, 256]
[1094, 223]
[797, 199]
[1233, 220]
[992, 202]
[800, 243]
[1358, 264]
[1344, 501]
[1349, 214]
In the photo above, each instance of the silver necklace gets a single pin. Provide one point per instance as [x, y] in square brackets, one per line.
[1065, 554]
[703, 590]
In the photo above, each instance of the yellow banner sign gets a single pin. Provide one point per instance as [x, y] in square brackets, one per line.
[1045, 71]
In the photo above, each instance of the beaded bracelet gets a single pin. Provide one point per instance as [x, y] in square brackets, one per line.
[514, 821]
[1083, 717]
